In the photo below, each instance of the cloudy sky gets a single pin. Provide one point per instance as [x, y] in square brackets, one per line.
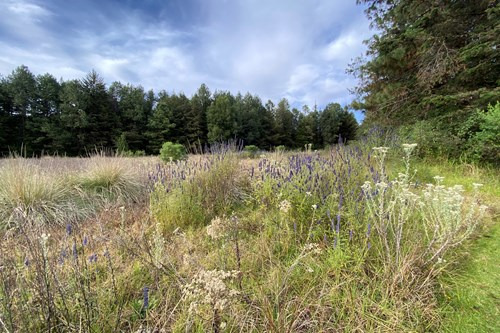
[298, 49]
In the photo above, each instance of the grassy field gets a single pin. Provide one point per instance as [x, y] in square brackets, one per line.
[343, 240]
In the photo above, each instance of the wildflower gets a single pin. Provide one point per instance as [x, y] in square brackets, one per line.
[408, 147]
[145, 297]
[438, 179]
[308, 194]
[209, 288]
[382, 150]
[93, 258]
[217, 228]
[44, 239]
[85, 241]
[314, 207]
[69, 229]
[476, 186]
[285, 206]
[312, 248]
[309, 270]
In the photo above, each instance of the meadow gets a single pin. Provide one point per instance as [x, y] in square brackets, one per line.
[364, 237]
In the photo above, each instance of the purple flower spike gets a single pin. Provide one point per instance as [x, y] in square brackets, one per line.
[69, 229]
[145, 297]
[85, 241]
[369, 230]
[350, 235]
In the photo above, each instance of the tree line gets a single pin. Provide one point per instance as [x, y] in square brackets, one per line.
[74, 117]
[433, 67]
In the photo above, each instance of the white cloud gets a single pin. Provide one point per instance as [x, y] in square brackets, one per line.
[275, 49]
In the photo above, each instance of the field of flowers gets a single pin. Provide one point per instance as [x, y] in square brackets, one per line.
[349, 239]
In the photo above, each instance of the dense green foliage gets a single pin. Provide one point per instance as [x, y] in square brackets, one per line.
[432, 64]
[172, 152]
[43, 115]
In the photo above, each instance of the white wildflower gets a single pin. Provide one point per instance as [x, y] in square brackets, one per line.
[217, 228]
[314, 207]
[382, 150]
[312, 248]
[209, 288]
[438, 179]
[285, 206]
[409, 147]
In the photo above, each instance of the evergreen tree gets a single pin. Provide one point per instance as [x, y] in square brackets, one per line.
[196, 118]
[430, 60]
[103, 122]
[21, 89]
[134, 108]
[160, 123]
[285, 129]
[221, 118]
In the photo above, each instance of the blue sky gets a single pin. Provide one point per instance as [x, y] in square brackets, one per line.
[272, 48]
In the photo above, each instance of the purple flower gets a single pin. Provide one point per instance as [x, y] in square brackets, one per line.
[93, 258]
[338, 224]
[145, 297]
[369, 230]
[69, 229]
[26, 262]
[85, 241]
[75, 252]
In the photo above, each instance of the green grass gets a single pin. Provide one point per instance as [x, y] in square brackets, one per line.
[470, 288]
[471, 294]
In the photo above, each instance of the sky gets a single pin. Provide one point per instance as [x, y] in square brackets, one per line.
[294, 49]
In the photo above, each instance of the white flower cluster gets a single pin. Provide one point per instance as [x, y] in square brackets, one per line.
[209, 288]
[312, 248]
[409, 147]
[218, 227]
[381, 150]
[285, 206]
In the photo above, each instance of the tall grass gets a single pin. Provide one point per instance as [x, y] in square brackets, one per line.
[311, 242]
[30, 193]
[112, 178]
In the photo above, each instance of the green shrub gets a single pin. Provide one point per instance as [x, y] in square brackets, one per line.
[484, 144]
[170, 152]
[250, 151]
[133, 153]
[195, 202]
[280, 149]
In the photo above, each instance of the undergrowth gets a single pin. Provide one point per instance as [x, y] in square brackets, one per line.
[338, 240]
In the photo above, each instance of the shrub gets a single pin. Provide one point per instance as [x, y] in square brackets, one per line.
[484, 145]
[195, 201]
[280, 148]
[133, 153]
[251, 151]
[171, 152]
